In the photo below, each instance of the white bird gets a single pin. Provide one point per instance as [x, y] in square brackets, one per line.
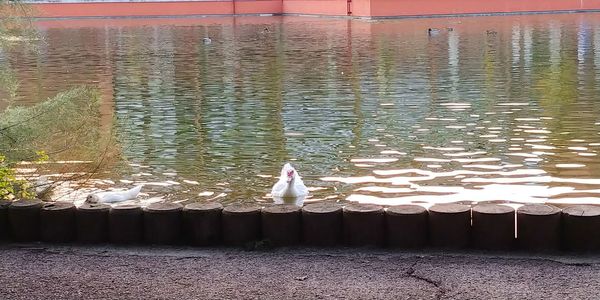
[114, 197]
[433, 31]
[290, 184]
[207, 40]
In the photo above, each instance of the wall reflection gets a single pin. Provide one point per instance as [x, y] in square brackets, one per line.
[373, 111]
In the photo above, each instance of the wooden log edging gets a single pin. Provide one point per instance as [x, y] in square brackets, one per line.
[407, 226]
[450, 226]
[24, 220]
[281, 224]
[162, 223]
[539, 227]
[322, 224]
[4, 225]
[241, 224]
[125, 224]
[493, 227]
[57, 222]
[202, 223]
[92, 223]
[581, 228]
[363, 225]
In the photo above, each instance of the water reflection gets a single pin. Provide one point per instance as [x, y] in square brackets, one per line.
[527, 46]
[298, 201]
[555, 35]
[368, 111]
[597, 50]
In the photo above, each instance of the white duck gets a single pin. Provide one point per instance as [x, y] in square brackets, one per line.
[290, 184]
[114, 197]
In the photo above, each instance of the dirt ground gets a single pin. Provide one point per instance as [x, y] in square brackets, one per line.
[39, 271]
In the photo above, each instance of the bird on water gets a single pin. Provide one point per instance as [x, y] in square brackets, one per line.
[113, 196]
[290, 184]
[433, 31]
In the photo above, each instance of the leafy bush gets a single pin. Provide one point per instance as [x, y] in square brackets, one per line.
[66, 126]
[69, 121]
[10, 186]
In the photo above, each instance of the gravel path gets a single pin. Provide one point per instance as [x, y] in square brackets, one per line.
[40, 271]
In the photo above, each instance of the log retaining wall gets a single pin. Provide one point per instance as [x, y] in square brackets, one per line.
[539, 228]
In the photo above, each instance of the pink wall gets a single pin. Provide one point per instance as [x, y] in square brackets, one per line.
[258, 6]
[124, 9]
[361, 8]
[436, 7]
[316, 7]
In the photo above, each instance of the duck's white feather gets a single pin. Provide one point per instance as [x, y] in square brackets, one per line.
[285, 189]
[114, 197]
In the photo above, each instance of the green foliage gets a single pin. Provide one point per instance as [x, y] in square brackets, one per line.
[66, 126]
[42, 156]
[10, 186]
[69, 121]
[8, 84]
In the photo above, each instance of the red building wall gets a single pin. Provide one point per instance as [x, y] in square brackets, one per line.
[316, 7]
[168, 8]
[360, 8]
[444, 7]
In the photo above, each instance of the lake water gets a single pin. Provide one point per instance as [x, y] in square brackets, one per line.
[485, 109]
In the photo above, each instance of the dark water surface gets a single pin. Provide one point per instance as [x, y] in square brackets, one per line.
[498, 108]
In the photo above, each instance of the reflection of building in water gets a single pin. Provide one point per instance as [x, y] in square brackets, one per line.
[161, 88]
[584, 40]
[527, 47]
[4, 67]
[554, 45]
[583, 35]
[516, 45]
[453, 63]
[319, 111]
[145, 93]
[597, 51]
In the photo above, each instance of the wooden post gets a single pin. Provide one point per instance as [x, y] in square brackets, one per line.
[241, 224]
[450, 225]
[406, 226]
[281, 224]
[322, 224]
[202, 223]
[493, 227]
[57, 222]
[538, 228]
[363, 225]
